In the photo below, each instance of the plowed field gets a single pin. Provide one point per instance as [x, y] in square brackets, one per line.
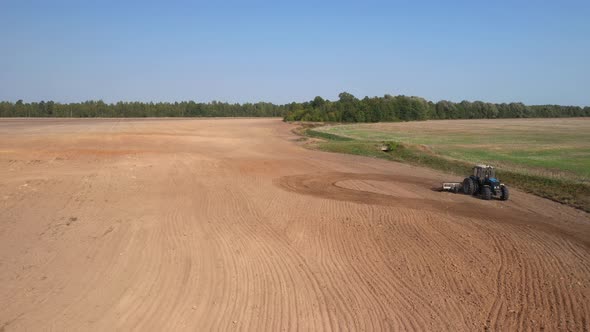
[231, 224]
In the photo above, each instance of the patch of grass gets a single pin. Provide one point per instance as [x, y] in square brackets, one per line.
[324, 135]
[561, 190]
[569, 163]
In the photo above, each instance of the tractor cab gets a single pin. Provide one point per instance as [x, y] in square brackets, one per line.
[485, 174]
[484, 171]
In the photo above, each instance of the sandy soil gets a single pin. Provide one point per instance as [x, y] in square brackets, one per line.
[231, 224]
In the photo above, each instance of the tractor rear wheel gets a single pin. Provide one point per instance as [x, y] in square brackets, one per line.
[468, 186]
[486, 193]
[505, 193]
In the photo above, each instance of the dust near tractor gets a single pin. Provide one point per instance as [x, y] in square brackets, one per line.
[483, 183]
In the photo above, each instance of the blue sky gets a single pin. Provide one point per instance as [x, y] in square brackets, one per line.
[537, 52]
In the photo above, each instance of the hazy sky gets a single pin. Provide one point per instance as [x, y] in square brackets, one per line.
[280, 51]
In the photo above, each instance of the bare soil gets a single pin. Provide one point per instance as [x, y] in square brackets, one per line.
[182, 224]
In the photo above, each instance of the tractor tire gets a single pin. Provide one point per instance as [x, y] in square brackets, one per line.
[468, 186]
[505, 193]
[486, 193]
[475, 187]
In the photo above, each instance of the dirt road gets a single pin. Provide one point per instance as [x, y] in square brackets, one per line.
[231, 224]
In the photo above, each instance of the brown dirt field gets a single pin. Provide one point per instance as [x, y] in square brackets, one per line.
[184, 224]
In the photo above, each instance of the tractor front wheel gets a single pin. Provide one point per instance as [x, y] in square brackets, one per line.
[505, 193]
[468, 186]
[486, 193]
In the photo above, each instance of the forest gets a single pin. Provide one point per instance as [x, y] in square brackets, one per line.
[347, 108]
[94, 109]
[403, 108]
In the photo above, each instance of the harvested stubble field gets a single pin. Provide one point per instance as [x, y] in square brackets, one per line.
[232, 224]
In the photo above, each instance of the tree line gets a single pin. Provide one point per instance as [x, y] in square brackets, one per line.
[404, 108]
[95, 109]
[347, 108]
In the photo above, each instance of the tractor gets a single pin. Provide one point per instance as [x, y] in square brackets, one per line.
[483, 182]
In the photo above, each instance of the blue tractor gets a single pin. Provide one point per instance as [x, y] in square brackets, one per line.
[484, 183]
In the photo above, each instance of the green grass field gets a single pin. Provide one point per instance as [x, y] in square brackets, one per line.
[549, 147]
[548, 157]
